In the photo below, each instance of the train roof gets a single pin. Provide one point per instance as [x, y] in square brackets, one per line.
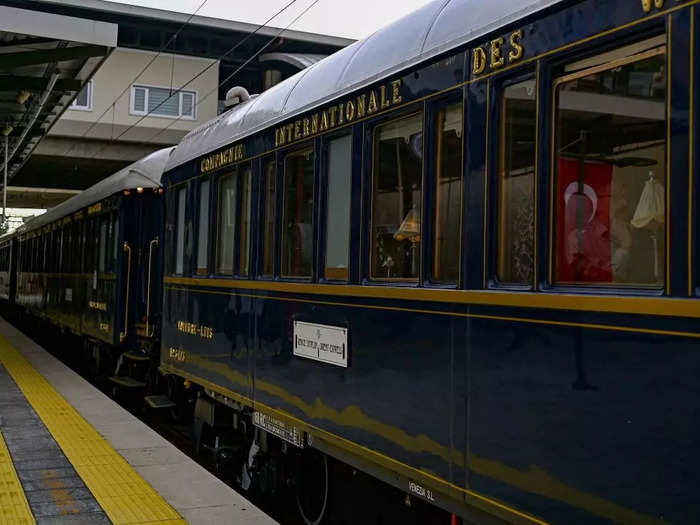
[144, 173]
[427, 32]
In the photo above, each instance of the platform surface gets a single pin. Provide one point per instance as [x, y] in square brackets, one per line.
[71, 455]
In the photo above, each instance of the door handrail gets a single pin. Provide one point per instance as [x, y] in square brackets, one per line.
[122, 335]
[154, 242]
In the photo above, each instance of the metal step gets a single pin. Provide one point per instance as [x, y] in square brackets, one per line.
[135, 356]
[159, 401]
[128, 382]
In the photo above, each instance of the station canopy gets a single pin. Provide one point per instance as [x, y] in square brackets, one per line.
[45, 60]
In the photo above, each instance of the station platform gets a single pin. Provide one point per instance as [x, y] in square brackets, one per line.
[70, 455]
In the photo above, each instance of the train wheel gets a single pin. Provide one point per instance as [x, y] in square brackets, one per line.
[312, 486]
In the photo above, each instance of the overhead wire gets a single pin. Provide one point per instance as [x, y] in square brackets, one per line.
[229, 77]
[163, 48]
[246, 62]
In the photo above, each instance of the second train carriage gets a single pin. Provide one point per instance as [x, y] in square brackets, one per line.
[460, 255]
[92, 264]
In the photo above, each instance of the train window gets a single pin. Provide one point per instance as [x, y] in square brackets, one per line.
[180, 232]
[397, 179]
[244, 233]
[102, 266]
[270, 189]
[516, 179]
[110, 243]
[227, 223]
[115, 230]
[62, 249]
[448, 194]
[44, 248]
[203, 229]
[338, 193]
[89, 245]
[610, 172]
[297, 214]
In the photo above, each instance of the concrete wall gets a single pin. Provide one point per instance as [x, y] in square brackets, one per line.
[117, 73]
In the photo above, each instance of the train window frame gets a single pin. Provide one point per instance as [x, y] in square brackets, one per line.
[115, 241]
[493, 214]
[180, 227]
[281, 179]
[103, 243]
[430, 171]
[231, 173]
[263, 207]
[324, 188]
[245, 171]
[566, 72]
[203, 251]
[370, 166]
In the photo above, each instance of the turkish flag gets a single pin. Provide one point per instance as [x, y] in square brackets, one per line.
[583, 223]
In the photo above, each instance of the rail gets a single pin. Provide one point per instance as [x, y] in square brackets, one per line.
[122, 335]
[153, 242]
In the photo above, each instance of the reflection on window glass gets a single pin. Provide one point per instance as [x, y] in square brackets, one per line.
[397, 180]
[516, 183]
[297, 216]
[448, 193]
[244, 234]
[269, 220]
[338, 173]
[103, 246]
[227, 224]
[180, 232]
[110, 243]
[203, 229]
[116, 237]
[610, 174]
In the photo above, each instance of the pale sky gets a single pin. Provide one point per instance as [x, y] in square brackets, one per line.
[348, 18]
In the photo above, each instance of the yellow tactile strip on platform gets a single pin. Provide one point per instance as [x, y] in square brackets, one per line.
[14, 508]
[122, 493]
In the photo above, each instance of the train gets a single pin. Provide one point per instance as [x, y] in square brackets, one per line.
[447, 273]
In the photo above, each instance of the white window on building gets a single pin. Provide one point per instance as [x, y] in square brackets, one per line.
[163, 102]
[83, 101]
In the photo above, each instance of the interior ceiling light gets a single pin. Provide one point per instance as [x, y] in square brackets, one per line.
[22, 96]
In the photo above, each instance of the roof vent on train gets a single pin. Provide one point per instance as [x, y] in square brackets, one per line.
[235, 96]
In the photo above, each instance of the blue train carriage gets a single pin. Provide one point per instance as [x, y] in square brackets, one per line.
[91, 265]
[459, 255]
[8, 276]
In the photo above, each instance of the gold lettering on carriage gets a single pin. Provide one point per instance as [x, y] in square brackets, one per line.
[367, 103]
[97, 306]
[177, 354]
[205, 332]
[647, 5]
[223, 158]
[497, 53]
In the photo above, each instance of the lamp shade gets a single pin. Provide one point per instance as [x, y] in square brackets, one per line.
[651, 206]
[410, 227]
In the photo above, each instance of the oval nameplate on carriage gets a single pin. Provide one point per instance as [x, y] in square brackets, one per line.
[327, 344]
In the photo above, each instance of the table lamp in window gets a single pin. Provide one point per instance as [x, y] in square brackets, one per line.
[651, 214]
[410, 230]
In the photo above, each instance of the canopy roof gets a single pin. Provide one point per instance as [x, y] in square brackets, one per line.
[45, 60]
[436, 27]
